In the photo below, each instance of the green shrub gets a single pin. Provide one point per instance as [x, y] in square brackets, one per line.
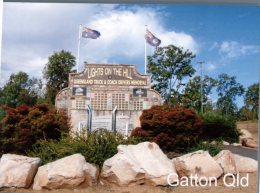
[219, 127]
[21, 127]
[173, 129]
[213, 149]
[96, 148]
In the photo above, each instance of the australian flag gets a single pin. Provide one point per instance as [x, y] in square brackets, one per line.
[90, 33]
[151, 39]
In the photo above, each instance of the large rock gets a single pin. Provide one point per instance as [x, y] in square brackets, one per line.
[199, 164]
[249, 142]
[68, 172]
[138, 164]
[17, 171]
[245, 134]
[245, 164]
[226, 161]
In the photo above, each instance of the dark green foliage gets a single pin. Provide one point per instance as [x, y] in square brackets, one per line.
[168, 66]
[191, 97]
[219, 127]
[2, 113]
[228, 89]
[96, 148]
[245, 114]
[56, 72]
[171, 128]
[23, 126]
[251, 100]
[20, 89]
[213, 149]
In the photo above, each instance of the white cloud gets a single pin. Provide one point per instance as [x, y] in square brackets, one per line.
[233, 49]
[31, 32]
[227, 51]
[210, 66]
[123, 35]
[179, 39]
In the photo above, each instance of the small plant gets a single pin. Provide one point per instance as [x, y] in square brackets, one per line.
[219, 127]
[213, 149]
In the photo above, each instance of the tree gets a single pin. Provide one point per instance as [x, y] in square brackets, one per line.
[56, 72]
[192, 94]
[228, 89]
[169, 66]
[252, 98]
[244, 114]
[20, 89]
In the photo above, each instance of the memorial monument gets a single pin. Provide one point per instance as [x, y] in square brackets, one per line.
[104, 88]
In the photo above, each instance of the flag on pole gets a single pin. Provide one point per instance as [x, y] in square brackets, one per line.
[151, 39]
[90, 33]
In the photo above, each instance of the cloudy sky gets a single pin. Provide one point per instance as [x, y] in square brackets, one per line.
[227, 38]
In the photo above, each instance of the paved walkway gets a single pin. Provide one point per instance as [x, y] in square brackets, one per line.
[247, 152]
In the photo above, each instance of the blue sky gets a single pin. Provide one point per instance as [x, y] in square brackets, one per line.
[227, 38]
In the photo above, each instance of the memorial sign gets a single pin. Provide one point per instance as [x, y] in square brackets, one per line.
[105, 87]
[110, 75]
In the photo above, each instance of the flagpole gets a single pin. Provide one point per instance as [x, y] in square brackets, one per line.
[80, 33]
[1, 31]
[145, 52]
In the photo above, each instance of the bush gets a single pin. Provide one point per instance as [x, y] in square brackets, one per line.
[219, 127]
[23, 126]
[96, 148]
[173, 129]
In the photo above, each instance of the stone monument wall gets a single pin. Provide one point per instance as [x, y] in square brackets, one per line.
[104, 87]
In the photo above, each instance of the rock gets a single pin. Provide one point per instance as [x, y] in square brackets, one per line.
[249, 142]
[245, 164]
[68, 172]
[213, 142]
[144, 163]
[225, 143]
[199, 164]
[17, 171]
[245, 134]
[226, 161]
[236, 144]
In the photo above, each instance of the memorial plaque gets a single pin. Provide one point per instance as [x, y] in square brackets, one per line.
[105, 122]
[102, 122]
